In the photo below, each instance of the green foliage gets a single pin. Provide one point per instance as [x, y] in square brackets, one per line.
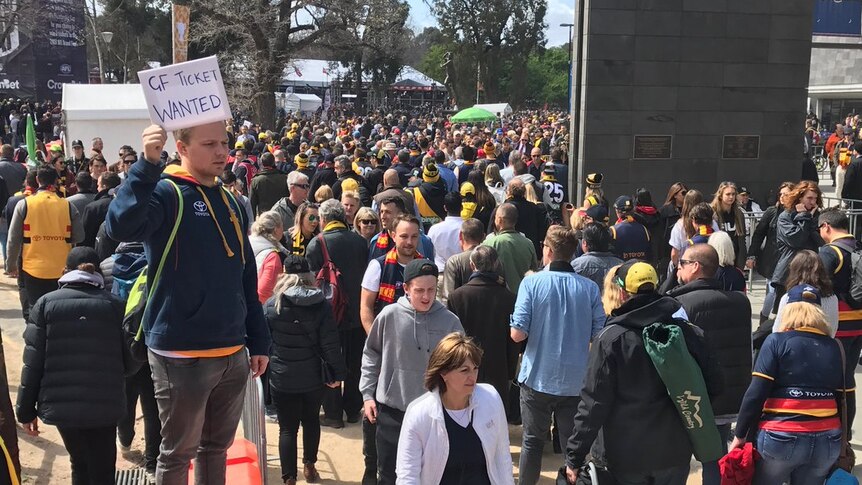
[548, 76]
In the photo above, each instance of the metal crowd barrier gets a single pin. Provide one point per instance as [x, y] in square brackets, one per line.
[254, 422]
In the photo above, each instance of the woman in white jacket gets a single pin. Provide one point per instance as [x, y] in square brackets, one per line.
[455, 434]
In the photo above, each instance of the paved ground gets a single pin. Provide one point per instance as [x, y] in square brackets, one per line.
[45, 461]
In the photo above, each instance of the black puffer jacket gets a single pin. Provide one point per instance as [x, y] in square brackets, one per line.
[624, 396]
[725, 318]
[75, 357]
[302, 330]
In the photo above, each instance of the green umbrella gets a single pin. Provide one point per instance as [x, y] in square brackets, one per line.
[473, 114]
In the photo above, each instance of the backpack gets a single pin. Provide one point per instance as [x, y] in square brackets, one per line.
[330, 281]
[854, 295]
[139, 295]
[127, 268]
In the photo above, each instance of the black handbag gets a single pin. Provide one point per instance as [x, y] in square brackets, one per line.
[589, 474]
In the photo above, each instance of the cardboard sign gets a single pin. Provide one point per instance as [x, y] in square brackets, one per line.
[186, 94]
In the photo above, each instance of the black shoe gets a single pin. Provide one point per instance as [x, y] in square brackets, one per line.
[354, 418]
[369, 477]
[332, 423]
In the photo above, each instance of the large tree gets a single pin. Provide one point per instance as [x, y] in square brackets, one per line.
[491, 33]
[258, 38]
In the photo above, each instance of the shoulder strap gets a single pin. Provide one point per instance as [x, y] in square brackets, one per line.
[844, 423]
[323, 248]
[171, 238]
[840, 258]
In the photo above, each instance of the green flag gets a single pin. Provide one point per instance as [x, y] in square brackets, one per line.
[31, 142]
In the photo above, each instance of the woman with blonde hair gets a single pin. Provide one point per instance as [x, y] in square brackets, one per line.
[456, 433]
[731, 277]
[306, 356]
[323, 193]
[798, 433]
[613, 295]
[731, 219]
[366, 223]
[306, 225]
[266, 232]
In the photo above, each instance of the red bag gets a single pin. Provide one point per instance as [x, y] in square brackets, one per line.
[737, 466]
[329, 280]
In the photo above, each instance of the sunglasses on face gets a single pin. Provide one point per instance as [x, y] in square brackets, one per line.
[683, 262]
[312, 218]
[301, 186]
[367, 222]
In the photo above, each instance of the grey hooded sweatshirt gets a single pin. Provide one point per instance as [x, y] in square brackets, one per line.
[397, 351]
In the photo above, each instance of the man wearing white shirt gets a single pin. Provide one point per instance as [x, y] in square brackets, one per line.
[445, 233]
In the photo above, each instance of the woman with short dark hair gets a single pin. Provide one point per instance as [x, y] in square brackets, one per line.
[456, 433]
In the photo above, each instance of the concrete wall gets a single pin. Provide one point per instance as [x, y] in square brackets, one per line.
[697, 70]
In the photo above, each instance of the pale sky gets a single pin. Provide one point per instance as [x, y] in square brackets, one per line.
[559, 12]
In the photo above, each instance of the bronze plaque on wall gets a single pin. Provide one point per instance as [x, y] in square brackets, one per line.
[740, 147]
[652, 147]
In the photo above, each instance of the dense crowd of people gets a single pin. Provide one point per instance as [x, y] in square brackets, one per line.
[430, 282]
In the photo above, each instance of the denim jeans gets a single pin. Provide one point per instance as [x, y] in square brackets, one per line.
[668, 476]
[536, 409]
[200, 403]
[711, 474]
[796, 457]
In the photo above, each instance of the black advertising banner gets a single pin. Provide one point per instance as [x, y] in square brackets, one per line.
[60, 51]
[16, 63]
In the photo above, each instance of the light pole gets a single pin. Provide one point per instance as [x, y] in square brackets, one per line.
[107, 37]
[571, 46]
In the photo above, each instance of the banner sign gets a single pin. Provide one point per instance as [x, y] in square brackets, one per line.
[838, 17]
[187, 94]
[180, 21]
[60, 52]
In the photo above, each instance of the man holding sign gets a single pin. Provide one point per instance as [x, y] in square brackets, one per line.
[204, 312]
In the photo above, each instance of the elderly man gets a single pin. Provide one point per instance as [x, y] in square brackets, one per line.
[484, 306]
[297, 185]
[346, 250]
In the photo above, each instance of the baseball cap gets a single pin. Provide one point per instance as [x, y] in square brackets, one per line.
[636, 276]
[598, 213]
[624, 203]
[803, 292]
[390, 147]
[295, 264]
[848, 130]
[81, 255]
[743, 191]
[77, 143]
[420, 267]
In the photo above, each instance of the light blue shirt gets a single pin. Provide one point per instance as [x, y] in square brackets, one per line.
[448, 176]
[561, 312]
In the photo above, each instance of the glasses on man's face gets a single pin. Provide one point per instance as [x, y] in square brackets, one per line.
[683, 262]
[821, 225]
[301, 186]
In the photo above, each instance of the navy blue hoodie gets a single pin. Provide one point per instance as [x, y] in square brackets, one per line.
[207, 296]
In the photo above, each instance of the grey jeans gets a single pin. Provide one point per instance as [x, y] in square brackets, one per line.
[536, 409]
[200, 404]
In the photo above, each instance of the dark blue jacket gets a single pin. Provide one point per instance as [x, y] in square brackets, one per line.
[631, 240]
[205, 299]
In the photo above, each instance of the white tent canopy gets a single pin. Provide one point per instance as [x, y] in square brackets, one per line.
[116, 113]
[301, 103]
[499, 109]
